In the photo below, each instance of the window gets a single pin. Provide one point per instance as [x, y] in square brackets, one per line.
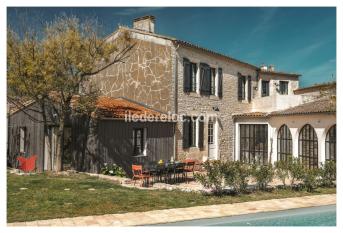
[249, 88]
[241, 87]
[22, 139]
[213, 81]
[284, 143]
[308, 147]
[265, 88]
[283, 88]
[193, 68]
[193, 132]
[254, 143]
[189, 76]
[330, 144]
[139, 141]
[210, 132]
[189, 131]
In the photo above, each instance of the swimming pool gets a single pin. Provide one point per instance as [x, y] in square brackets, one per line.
[312, 216]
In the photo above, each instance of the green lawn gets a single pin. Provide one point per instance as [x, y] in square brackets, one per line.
[46, 198]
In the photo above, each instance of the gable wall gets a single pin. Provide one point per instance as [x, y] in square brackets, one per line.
[145, 76]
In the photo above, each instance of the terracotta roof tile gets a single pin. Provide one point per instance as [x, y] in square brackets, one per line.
[318, 87]
[108, 107]
[251, 114]
[319, 106]
[325, 105]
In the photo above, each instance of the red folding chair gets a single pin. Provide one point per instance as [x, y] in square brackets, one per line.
[27, 164]
[21, 161]
[137, 171]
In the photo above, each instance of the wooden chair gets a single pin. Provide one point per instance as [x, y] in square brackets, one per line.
[137, 174]
[180, 172]
[189, 167]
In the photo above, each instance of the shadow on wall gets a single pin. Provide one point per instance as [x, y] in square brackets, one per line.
[110, 141]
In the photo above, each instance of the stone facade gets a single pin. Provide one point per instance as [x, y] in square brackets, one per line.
[145, 76]
[195, 104]
[153, 75]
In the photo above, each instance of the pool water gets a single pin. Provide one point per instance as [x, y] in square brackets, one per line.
[313, 216]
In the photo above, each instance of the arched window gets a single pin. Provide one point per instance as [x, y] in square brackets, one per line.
[308, 147]
[284, 143]
[330, 144]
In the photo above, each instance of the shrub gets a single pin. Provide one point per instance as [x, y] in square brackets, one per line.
[236, 175]
[213, 178]
[229, 172]
[263, 175]
[328, 173]
[113, 170]
[282, 170]
[296, 170]
[310, 179]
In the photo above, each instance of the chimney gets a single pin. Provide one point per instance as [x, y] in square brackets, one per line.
[263, 67]
[271, 68]
[145, 23]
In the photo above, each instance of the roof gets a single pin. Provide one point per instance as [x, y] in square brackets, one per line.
[325, 105]
[119, 108]
[251, 114]
[14, 106]
[191, 45]
[278, 73]
[145, 17]
[318, 87]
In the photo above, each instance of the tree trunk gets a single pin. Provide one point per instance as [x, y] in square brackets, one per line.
[59, 145]
[46, 137]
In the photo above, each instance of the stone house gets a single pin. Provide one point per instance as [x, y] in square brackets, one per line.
[211, 91]
[229, 109]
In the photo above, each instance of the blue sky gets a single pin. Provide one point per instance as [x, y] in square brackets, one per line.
[294, 39]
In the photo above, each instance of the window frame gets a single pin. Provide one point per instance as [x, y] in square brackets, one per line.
[210, 132]
[330, 145]
[284, 143]
[22, 139]
[241, 87]
[283, 84]
[143, 142]
[193, 73]
[265, 88]
[193, 132]
[213, 72]
[308, 139]
[249, 135]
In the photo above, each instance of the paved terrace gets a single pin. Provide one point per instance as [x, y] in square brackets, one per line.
[190, 213]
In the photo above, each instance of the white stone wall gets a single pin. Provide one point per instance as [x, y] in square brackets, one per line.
[275, 101]
[320, 122]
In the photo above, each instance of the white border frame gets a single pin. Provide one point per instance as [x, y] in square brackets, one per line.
[232, 3]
